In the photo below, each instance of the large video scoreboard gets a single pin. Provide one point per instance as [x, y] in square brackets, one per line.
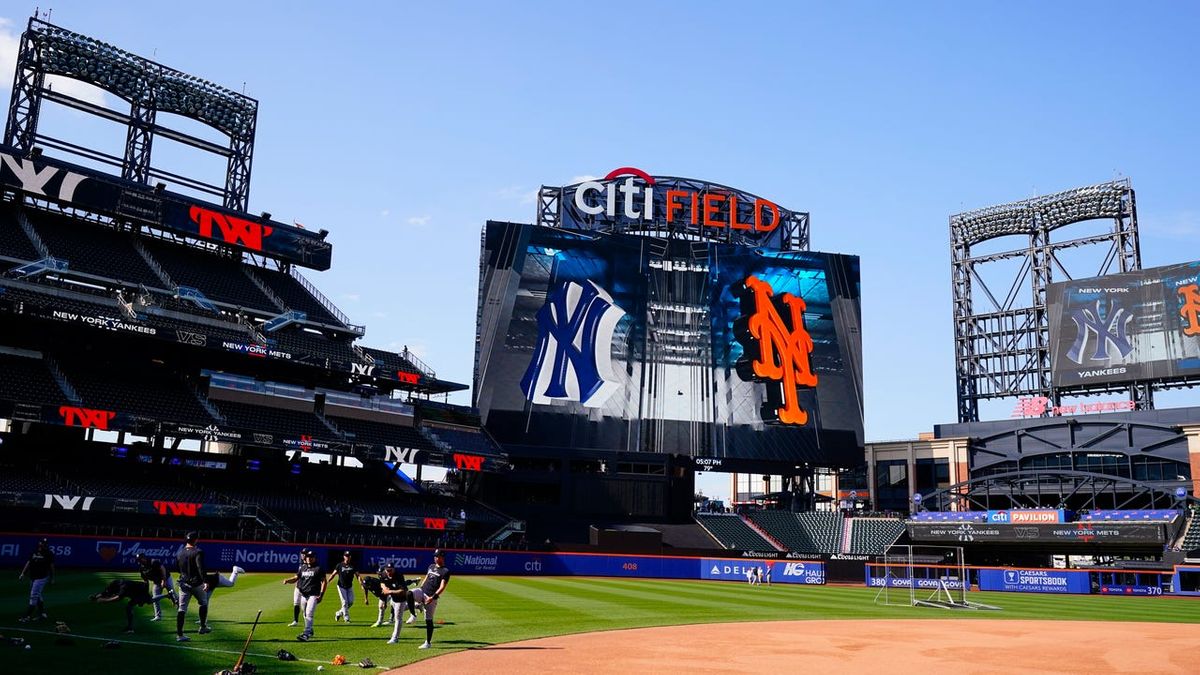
[607, 340]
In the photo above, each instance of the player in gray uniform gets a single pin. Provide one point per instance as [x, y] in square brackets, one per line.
[192, 583]
[311, 583]
[158, 577]
[436, 579]
[346, 574]
[40, 568]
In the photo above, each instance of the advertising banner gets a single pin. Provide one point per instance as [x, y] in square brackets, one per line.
[1065, 533]
[1026, 516]
[807, 572]
[1126, 589]
[100, 193]
[1034, 581]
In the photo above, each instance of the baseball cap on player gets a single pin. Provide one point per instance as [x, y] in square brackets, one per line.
[346, 553]
[191, 537]
[439, 553]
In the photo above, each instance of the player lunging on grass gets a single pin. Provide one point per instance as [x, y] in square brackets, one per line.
[40, 569]
[134, 591]
[394, 591]
[436, 579]
[158, 577]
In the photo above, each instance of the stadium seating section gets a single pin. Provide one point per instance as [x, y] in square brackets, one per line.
[1191, 538]
[94, 250]
[732, 532]
[290, 423]
[810, 532]
[366, 431]
[1152, 515]
[14, 243]
[464, 440]
[145, 393]
[27, 380]
[295, 296]
[219, 278]
[872, 536]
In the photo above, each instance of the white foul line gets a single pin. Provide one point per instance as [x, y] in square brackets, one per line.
[146, 644]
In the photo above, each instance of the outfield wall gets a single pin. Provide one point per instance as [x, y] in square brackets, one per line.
[89, 552]
[118, 553]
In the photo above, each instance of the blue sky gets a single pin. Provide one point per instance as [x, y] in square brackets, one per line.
[402, 127]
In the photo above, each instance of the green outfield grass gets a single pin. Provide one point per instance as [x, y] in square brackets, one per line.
[477, 611]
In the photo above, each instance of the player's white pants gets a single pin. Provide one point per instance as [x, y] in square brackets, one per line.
[296, 596]
[430, 606]
[227, 582]
[347, 596]
[397, 615]
[308, 607]
[160, 593]
[35, 590]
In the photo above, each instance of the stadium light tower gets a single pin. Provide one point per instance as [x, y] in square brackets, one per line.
[1001, 349]
[148, 88]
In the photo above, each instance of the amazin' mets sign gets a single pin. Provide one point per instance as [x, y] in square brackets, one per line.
[776, 347]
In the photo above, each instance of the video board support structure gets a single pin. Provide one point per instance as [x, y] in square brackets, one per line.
[1002, 349]
[148, 88]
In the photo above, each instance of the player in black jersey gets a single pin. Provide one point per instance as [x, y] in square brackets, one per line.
[394, 592]
[346, 574]
[158, 577]
[311, 582]
[134, 591]
[192, 583]
[40, 569]
[437, 577]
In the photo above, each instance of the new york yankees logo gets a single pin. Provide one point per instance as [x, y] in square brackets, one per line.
[1111, 330]
[573, 359]
[777, 348]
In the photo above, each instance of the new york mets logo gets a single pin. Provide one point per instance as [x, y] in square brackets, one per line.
[573, 357]
[777, 348]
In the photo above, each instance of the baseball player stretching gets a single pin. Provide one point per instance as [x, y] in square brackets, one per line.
[40, 568]
[311, 583]
[436, 579]
[156, 575]
[135, 592]
[346, 574]
[192, 583]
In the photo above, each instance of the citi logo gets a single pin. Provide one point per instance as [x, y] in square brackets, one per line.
[533, 566]
[633, 198]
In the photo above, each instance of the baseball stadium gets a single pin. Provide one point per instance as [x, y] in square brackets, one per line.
[207, 467]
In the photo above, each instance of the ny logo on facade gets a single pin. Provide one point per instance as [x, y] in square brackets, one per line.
[74, 416]
[573, 357]
[1109, 330]
[777, 348]
[230, 229]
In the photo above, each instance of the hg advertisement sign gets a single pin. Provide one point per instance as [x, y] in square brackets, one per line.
[807, 572]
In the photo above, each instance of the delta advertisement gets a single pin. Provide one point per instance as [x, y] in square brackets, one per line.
[1034, 581]
[806, 572]
[1124, 327]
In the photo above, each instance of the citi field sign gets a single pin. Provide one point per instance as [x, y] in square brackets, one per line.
[629, 197]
